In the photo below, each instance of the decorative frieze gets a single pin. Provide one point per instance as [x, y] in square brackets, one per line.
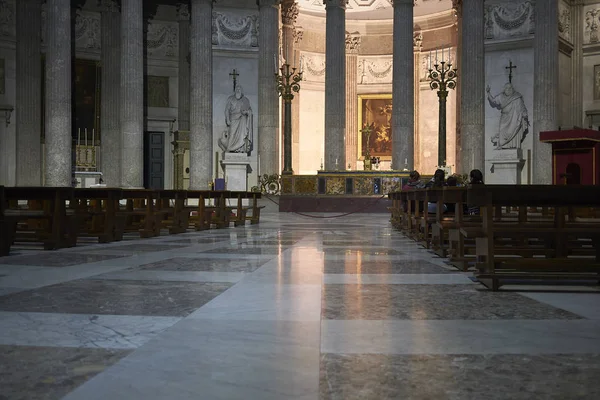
[564, 21]
[183, 12]
[509, 20]
[375, 69]
[87, 30]
[232, 30]
[162, 40]
[7, 18]
[418, 40]
[590, 34]
[314, 67]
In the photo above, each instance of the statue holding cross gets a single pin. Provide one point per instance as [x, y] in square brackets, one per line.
[514, 118]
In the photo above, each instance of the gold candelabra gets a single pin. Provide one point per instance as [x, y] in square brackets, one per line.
[288, 83]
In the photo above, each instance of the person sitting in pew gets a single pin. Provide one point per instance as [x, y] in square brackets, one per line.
[414, 182]
[476, 178]
[437, 181]
[451, 181]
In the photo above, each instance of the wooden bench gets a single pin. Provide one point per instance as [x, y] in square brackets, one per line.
[549, 237]
[141, 212]
[241, 211]
[96, 210]
[175, 216]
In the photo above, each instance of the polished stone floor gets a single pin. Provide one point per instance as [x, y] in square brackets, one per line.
[297, 307]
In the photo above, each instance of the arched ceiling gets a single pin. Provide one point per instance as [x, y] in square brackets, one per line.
[375, 9]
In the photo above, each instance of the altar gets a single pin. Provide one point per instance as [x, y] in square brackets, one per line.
[340, 191]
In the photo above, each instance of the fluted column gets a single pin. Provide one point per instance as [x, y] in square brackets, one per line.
[58, 94]
[132, 93]
[335, 88]
[577, 57]
[352, 47]
[183, 111]
[268, 100]
[545, 87]
[472, 89]
[201, 93]
[289, 13]
[29, 93]
[403, 123]
[457, 6]
[110, 107]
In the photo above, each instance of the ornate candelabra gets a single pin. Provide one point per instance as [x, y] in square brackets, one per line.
[288, 83]
[442, 78]
[366, 132]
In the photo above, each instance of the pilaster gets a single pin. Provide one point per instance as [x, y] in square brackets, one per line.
[58, 95]
[352, 128]
[29, 93]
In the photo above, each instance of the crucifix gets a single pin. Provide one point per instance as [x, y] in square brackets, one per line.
[510, 68]
[235, 75]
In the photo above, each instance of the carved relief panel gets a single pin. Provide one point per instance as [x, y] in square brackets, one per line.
[313, 67]
[564, 21]
[229, 29]
[87, 30]
[162, 40]
[7, 19]
[375, 69]
[591, 24]
[158, 91]
[511, 19]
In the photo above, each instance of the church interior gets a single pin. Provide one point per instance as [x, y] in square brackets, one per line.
[214, 199]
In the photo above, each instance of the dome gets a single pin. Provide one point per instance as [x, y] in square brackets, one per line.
[375, 9]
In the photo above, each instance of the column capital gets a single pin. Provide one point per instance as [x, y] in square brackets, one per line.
[110, 6]
[335, 3]
[398, 2]
[183, 12]
[418, 41]
[352, 42]
[457, 7]
[289, 12]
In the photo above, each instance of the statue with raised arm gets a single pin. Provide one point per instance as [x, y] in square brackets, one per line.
[237, 138]
[514, 119]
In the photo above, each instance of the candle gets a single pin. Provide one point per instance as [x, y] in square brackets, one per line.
[336, 161]
[436, 56]
[78, 136]
[406, 161]
[429, 59]
[93, 134]
[258, 166]
[85, 137]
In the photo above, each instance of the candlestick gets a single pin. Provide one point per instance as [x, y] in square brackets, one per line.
[93, 137]
[78, 136]
[85, 137]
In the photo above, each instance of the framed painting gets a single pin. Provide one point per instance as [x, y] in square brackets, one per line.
[375, 110]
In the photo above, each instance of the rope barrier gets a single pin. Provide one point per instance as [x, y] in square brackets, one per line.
[331, 216]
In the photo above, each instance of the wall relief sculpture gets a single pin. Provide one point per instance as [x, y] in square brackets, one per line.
[232, 30]
[314, 67]
[564, 21]
[158, 91]
[375, 70]
[162, 40]
[590, 34]
[87, 30]
[510, 20]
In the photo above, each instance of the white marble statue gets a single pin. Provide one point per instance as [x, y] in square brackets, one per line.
[237, 138]
[514, 119]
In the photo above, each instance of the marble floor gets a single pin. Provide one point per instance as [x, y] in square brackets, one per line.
[297, 307]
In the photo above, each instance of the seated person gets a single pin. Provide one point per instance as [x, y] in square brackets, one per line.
[436, 182]
[476, 178]
[451, 181]
[414, 182]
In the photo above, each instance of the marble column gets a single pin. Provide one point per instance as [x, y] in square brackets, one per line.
[201, 95]
[268, 100]
[457, 7]
[471, 73]
[335, 87]
[110, 107]
[577, 57]
[58, 95]
[289, 14]
[132, 93]
[29, 93]
[183, 111]
[352, 128]
[403, 122]
[545, 87]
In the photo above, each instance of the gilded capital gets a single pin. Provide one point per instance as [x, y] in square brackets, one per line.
[289, 12]
[183, 12]
[335, 3]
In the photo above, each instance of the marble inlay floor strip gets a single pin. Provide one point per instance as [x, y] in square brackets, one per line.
[80, 330]
[174, 276]
[461, 337]
[403, 279]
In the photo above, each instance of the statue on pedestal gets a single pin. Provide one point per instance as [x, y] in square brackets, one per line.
[514, 119]
[237, 138]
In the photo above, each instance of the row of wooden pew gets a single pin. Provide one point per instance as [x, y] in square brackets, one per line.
[57, 217]
[514, 234]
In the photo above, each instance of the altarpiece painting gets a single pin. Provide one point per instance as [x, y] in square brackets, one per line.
[375, 110]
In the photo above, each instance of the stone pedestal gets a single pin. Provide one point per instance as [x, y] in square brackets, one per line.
[506, 167]
[236, 167]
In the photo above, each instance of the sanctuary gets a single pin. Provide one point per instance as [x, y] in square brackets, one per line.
[174, 94]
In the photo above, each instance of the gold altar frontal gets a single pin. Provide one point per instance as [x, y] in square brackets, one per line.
[340, 191]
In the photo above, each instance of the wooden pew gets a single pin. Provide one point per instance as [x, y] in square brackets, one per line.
[45, 219]
[241, 211]
[175, 216]
[141, 212]
[8, 225]
[550, 236]
[96, 210]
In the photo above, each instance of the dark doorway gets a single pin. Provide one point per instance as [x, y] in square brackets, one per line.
[573, 174]
[154, 160]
